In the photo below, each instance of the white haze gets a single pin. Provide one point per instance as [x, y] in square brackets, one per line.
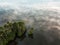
[46, 19]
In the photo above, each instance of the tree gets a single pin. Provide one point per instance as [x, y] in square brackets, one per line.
[30, 33]
[12, 30]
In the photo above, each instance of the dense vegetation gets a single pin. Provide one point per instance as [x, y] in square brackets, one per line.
[12, 30]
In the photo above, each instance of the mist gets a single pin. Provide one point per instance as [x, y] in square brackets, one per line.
[45, 22]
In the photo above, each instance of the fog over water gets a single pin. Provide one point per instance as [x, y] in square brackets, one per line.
[42, 19]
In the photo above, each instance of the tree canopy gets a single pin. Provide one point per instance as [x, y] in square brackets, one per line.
[12, 30]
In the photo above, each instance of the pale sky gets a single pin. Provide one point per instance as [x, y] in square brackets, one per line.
[55, 4]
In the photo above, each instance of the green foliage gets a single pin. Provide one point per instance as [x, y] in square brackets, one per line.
[30, 33]
[12, 30]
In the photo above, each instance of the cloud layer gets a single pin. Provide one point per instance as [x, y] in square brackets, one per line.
[42, 16]
[46, 4]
